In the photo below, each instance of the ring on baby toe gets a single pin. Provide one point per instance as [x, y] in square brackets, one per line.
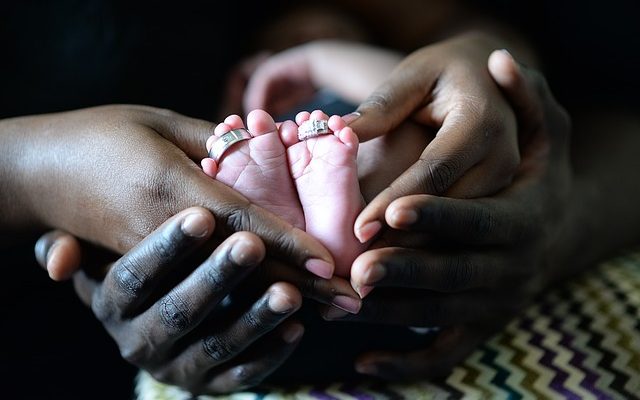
[227, 140]
[313, 128]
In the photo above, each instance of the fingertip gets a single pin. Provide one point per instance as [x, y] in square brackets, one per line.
[247, 249]
[197, 222]
[401, 216]
[292, 332]
[366, 230]
[63, 258]
[503, 68]
[284, 298]
[320, 267]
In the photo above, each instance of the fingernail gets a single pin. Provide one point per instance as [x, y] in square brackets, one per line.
[404, 217]
[195, 225]
[52, 256]
[244, 254]
[349, 118]
[334, 313]
[293, 333]
[320, 268]
[363, 291]
[347, 303]
[368, 230]
[366, 368]
[506, 52]
[279, 303]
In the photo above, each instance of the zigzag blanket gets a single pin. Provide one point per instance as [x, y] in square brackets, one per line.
[580, 341]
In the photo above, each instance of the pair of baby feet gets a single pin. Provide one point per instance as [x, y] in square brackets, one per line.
[312, 183]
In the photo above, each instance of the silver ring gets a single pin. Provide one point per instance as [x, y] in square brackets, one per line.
[227, 140]
[313, 128]
[423, 330]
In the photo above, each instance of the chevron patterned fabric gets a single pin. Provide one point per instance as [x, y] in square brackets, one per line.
[579, 341]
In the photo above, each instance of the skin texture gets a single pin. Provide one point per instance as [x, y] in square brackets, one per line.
[501, 250]
[115, 162]
[313, 184]
[475, 149]
[558, 216]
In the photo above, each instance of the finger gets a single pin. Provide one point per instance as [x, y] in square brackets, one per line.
[182, 309]
[394, 100]
[269, 354]
[276, 305]
[135, 275]
[335, 291]
[480, 222]
[59, 253]
[189, 134]
[460, 144]
[509, 76]
[441, 271]
[234, 213]
[528, 92]
[449, 349]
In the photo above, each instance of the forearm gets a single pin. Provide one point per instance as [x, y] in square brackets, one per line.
[15, 212]
[605, 215]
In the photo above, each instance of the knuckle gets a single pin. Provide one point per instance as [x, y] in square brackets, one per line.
[439, 174]
[253, 323]
[174, 312]
[128, 275]
[378, 100]
[136, 350]
[218, 348]
[239, 219]
[244, 377]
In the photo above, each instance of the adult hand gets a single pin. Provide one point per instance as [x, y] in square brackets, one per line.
[112, 174]
[446, 87]
[169, 305]
[500, 251]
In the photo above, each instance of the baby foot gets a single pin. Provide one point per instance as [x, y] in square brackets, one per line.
[325, 173]
[257, 167]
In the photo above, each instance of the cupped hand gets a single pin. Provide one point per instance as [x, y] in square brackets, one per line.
[444, 87]
[470, 265]
[169, 305]
[112, 174]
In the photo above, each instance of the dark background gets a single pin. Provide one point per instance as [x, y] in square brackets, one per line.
[70, 54]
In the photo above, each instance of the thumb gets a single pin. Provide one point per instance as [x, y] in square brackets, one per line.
[59, 253]
[187, 133]
[392, 102]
